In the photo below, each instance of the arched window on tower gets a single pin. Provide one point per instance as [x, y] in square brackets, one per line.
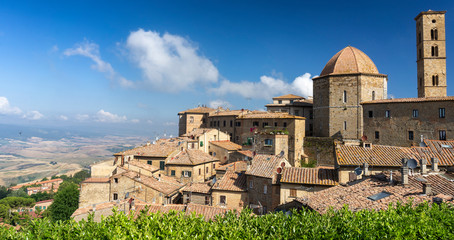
[435, 80]
[434, 34]
[419, 37]
[434, 51]
[373, 95]
[344, 97]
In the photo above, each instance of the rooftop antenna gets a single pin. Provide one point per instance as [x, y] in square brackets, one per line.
[281, 154]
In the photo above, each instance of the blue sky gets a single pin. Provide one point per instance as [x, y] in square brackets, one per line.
[133, 65]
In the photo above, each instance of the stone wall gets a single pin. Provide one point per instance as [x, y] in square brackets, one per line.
[194, 197]
[256, 193]
[320, 150]
[301, 191]
[92, 193]
[199, 172]
[234, 200]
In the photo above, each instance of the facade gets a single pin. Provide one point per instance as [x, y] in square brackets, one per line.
[94, 190]
[191, 165]
[42, 186]
[199, 138]
[431, 54]
[349, 78]
[192, 119]
[230, 190]
[197, 193]
[294, 105]
[223, 149]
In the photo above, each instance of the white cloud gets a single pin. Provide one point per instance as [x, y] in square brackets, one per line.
[33, 115]
[219, 103]
[82, 117]
[169, 62]
[7, 109]
[135, 120]
[91, 50]
[149, 122]
[103, 116]
[267, 88]
[170, 124]
[63, 117]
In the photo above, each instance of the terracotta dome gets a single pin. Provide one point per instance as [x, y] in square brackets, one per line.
[349, 60]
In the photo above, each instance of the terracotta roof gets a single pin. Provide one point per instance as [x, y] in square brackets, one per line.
[197, 132]
[356, 195]
[197, 110]
[164, 184]
[315, 176]
[247, 153]
[401, 100]
[289, 96]
[155, 208]
[441, 182]
[96, 180]
[197, 187]
[228, 145]
[377, 155]
[349, 60]
[142, 165]
[257, 114]
[228, 113]
[208, 212]
[190, 157]
[231, 181]
[44, 201]
[443, 150]
[162, 148]
[235, 166]
[266, 166]
[36, 183]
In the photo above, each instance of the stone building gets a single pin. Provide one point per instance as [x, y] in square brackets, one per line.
[294, 105]
[94, 190]
[191, 165]
[263, 182]
[198, 193]
[199, 138]
[223, 149]
[349, 78]
[230, 190]
[192, 119]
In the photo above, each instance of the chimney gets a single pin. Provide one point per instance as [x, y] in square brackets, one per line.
[94, 207]
[366, 169]
[404, 172]
[435, 164]
[427, 188]
[423, 163]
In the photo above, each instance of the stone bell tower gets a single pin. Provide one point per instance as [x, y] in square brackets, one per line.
[431, 53]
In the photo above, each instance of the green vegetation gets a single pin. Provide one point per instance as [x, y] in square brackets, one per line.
[400, 222]
[66, 201]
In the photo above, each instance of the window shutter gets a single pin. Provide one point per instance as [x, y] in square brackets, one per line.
[189, 174]
[182, 173]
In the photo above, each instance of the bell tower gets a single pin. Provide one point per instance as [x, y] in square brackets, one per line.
[431, 53]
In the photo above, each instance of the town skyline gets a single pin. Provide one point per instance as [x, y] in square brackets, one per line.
[135, 66]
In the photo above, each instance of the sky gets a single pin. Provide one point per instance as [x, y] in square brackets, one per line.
[131, 66]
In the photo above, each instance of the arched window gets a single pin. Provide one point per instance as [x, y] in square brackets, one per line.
[434, 34]
[434, 51]
[344, 97]
[373, 95]
[435, 80]
[419, 37]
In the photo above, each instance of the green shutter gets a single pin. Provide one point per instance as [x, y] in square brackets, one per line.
[189, 174]
[201, 143]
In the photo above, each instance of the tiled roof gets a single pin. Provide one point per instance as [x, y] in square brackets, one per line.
[96, 180]
[44, 201]
[316, 176]
[235, 166]
[228, 113]
[197, 187]
[155, 208]
[164, 184]
[198, 110]
[257, 114]
[142, 165]
[162, 148]
[228, 145]
[289, 96]
[377, 155]
[266, 166]
[231, 181]
[196, 132]
[441, 183]
[247, 153]
[349, 60]
[190, 157]
[356, 196]
[443, 150]
[400, 100]
[38, 183]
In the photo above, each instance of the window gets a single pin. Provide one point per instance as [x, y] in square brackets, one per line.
[442, 134]
[379, 196]
[371, 114]
[265, 189]
[419, 37]
[415, 113]
[268, 142]
[434, 51]
[149, 162]
[441, 113]
[200, 171]
[206, 170]
[264, 124]
[420, 54]
[345, 125]
[435, 80]
[193, 145]
[207, 200]
[191, 119]
[218, 123]
[275, 124]
[172, 173]
[344, 97]
[279, 101]
[238, 124]
[162, 165]
[188, 198]
[186, 173]
[387, 114]
[293, 193]
[434, 34]
[255, 124]
[420, 82]
[115, 196]
[285, 124]
[231, 123]
[225, 123]
[222, 200]
[251, 184]
[311, 114]
[373, 95]
[211, 123]
[377, 135]
[296, 113]
[411, 135]
[116, 180]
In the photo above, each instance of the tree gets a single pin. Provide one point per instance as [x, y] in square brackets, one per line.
[66, 201]
[80, 176]
[15, 202]
[41, 196]
[19, 193]
[4, 191]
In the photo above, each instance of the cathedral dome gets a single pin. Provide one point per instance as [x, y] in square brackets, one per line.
[349, 60]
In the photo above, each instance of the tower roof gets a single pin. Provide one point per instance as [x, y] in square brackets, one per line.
[349, 60]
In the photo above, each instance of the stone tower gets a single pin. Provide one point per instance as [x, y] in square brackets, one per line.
[431, 53]
[349, 78]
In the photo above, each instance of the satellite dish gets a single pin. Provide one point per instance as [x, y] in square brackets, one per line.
[283, 164]
[281, 154]
[358, 171]
[279, 170]
[422, 144]
[412, 163]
